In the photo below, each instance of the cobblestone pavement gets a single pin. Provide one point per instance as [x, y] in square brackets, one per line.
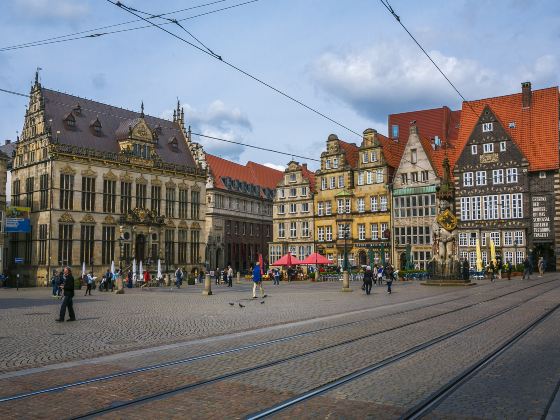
[193, 324]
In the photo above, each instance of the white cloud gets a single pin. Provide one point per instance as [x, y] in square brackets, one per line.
[220, 148]
[390, 77]
[60, 9]
[274, 166]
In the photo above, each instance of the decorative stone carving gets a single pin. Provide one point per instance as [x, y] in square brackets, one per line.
[89, 172]
[88, 218]
[170, 223]
[66, 218]
[68, 170]
[126, 177]
[109, 220]
[141, 180]
[195, 225]
[170, 184]
[110, 176]
[140, 216]
[183, 224]
[156, 182]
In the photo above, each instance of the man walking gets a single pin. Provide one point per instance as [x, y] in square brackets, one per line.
[527, 268]
[55, 281]
[89, 283]
[68, 288]
[389, 273]
[368, 280]
[230, 276]
[257, 280]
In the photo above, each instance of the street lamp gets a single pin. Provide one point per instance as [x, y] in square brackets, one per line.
[346, 231]
[515, 252]
[121, 244]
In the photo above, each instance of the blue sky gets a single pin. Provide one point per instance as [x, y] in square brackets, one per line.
[348, 59]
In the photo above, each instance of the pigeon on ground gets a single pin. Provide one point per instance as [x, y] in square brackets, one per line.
[265, 296]
[262, 301]
[231, 303]
[240, 305]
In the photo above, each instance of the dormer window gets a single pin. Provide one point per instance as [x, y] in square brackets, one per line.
[77, 110]
[487, 127]
[70, 121]
[174, 143]
[96, 126]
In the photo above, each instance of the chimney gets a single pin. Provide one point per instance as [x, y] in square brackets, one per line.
[413, 128]
[526, 94]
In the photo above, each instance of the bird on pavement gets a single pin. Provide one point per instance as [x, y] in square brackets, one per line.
[231, 303]
[262, 302]
[240, 305]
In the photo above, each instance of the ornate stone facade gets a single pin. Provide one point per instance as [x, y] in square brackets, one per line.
[105, 185]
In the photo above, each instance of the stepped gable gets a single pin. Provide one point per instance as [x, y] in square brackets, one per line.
[536, 124]
[351, 153]
[114, 122]
[441, 122]
[252, 173]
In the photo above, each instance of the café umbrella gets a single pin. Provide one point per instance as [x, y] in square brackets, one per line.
[493, 252]
[159, 276]
[478, 257]
[134, 270]
[315, 259]
[287, 260]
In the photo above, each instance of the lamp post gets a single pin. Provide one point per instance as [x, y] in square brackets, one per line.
[515, 252]
[345, 276]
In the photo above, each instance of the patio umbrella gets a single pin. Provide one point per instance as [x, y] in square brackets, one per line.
[315, 259]
[493, 252]
[141, 272]
[287, 260]
[159, 276]
[478, 256]
[134, 270]
[113, 267]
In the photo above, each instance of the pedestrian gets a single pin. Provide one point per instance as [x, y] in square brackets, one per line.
[368, 280]
[68, 289]
[257, 280]
[178, 277]
[499, 268]
[466, 269]
[527, 268]
[541, 266]
[55, 283]
[230, 276]
[213, 276]
[389, 275]
[89, 283]
[380, 276]
[129, 279]
[147, 278]
[375, 269]
[277, 277]
[224, 277]
[492, 270]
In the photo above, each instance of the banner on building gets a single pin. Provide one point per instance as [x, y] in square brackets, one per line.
[17, 220]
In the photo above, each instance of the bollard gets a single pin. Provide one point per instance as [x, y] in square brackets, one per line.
[346, 282]
[238, 281]
[120, 288]
[207, 285]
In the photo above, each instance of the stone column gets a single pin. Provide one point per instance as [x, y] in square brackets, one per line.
[346, 282]
[207, 285]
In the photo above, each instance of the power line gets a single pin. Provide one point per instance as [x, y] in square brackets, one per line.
[398, 19]
[73, 37]
[219, 58]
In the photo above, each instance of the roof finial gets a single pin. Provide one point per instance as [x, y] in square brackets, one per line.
[182, 114]
[178, 106]
[142, 110]
[174, 115]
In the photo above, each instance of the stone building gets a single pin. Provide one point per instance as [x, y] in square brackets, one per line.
[4, 159]
[293, 222]
[239, 212]
[432, 135]
[352, 204]
[507, 176]
[105, 184]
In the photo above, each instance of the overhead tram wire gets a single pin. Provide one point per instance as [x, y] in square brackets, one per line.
[196, 134]
[73, 37]
[234, 67]
[398, 19]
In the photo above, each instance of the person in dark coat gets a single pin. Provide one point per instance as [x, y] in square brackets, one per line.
[466, 269]
[368, 280]
[67, 302]
[389, 270]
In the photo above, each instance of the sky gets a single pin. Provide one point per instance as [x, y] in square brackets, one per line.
[350, 60]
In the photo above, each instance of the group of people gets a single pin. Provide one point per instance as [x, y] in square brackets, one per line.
[377, 275]
[495, 270]
[224, 276]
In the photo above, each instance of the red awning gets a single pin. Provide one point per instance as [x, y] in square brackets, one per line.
[315, 259]
[287, 260]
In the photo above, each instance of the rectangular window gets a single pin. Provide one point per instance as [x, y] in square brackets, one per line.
[509, 256]
[141, 193]
[320, 207]
[281, 230]
[361, 178]
[517, 206]
[182, 245]
[365, 157]
[488, 148]
[487, 127]
[542, 174]
[348, 206]
[65, 244]
[476, 208]
[480, 177]
[519, 257]
[511, 175]
[502, 146]
[474, 149]
[304, 191]
[413, 156]
[170, 201]
[29, 187]
[483, 239]
[328, 164]
[42, 254]
[425, 176]
[88, 194]
[361, 205]
[328, 233]
[109, 195]
[462, 239]
[293, 229]
[332, 185]
[335, 163]
[195, 206]
[361, 232]
[293, 208]
[472, 239]
[467, 179]
[126, 197]
[384, 230]
[342, 230]
[498, 176]
[195, 246]
[328, 208]
[369, 177]
[108, 244]
[373, 203]
[321, 233]
[495, 237]
[395, 131]
[282, 193]
[414, 176]
[169, 246]
[505, 206]
[323, 183]
[340, 206]
[519, 237]
[293, 192]
[305, 207]
[465, 208]
[183, 203]
[508, 238]
[374, 232]
[155, 198]
[66, 192]
[16, 192]
[86, 243]
[305, 229]
[374, 156]
[404, 179]
[379, 176]
[341, 181]
[44, 192]
[383, 203]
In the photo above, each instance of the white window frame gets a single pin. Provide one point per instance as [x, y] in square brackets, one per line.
[487, 127]
[281, 230]
[328, 208]
[369, 177]
[462, 239]
[519, 236]
[341, 181]
[293, 229]
[328, 233]
[293, 208]
[305, 207]
[480, 177]
[379, 176]
[361, 178]
[340, 205]
[468, 179]
[497, 176]
[517, 206]
[365, 157]
[328, 164]
[361, 231]
[332, 184]
[495, 236]
[373, 156]
[281, 209]
[374, 231]
[511, 175]
[348, 205]
[319, 208]
[335, 163]
[508, 238]
[373, 203]
[474, 149]
[321, 233]
[305, 229]
[323, 183]
[361, 205]
[383, 203]
[488, 148]
[502, 146]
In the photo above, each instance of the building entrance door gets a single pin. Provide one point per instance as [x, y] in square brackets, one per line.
[140, 253]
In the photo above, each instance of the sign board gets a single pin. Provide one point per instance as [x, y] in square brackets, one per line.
[542, 226]
[19, 260]
[17, 220]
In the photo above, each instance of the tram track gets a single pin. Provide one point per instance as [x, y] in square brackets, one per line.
[192, 359]
[324, 388]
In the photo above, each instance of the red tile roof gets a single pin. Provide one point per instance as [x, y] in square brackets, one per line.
[306, 173]
[441, 122]
[392, 150]
[351, 153]
[536, 127]
[251, 173]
